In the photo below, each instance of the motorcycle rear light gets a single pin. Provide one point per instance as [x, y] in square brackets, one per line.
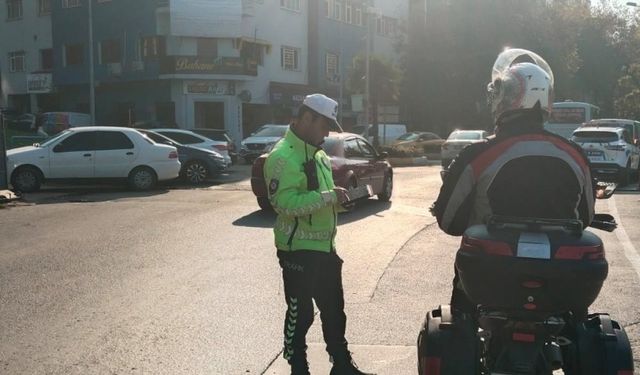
[523, 337]
[173, 155]
[486, 246]
[580, 252]
[530, 306]
[532, 284]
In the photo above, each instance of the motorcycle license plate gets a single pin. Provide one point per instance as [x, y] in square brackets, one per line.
[534, 245]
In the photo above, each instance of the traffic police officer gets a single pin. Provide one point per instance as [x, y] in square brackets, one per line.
[306, 200]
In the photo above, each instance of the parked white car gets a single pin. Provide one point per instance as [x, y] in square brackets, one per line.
[93, 152]
[189, 138]
[457, 140]
[261, 141]
[611, 151]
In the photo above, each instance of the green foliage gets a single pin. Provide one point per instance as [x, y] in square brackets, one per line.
[448, 65]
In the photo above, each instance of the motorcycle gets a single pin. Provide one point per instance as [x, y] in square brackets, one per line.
[532, 281]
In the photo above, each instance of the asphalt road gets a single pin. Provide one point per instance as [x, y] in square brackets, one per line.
[183, 280]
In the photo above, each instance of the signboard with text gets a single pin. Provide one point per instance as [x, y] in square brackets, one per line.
[201, 65]
[210, 87]
[39, 83]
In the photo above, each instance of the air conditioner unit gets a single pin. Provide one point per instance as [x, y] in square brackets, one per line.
[114, 69]
[137, 65]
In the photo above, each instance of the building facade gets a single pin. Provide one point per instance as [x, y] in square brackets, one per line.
[26, 55]
[225, 64]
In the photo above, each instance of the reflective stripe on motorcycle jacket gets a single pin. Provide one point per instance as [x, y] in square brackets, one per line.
[306, 219]
[535, 174]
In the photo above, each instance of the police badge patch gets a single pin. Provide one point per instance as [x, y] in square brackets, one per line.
[273, 186]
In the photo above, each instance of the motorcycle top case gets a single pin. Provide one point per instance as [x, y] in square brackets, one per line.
[548, 272]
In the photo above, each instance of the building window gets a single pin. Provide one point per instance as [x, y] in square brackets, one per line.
[328, 6]
[44, 7]
[46, 59]
[16, 61]
[110, 51]
[348, 13]
[71, 3]
[337, 11]
[152, 47]
[14, 10]
[358, 16]
[73, 54]
[207, 47]
[332, 67]
[386, 26]
[290, 4]
[289, 58]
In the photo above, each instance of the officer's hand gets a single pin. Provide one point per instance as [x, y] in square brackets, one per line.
[341, 193]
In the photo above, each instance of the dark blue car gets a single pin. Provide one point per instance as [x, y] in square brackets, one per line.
[198, 164]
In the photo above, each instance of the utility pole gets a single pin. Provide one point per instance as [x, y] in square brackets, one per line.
[92, 84]
[367, 57]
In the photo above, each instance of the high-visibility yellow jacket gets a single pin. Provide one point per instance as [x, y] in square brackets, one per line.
[307, 220]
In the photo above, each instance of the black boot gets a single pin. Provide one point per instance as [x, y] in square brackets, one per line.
[343, 364]
[299, 366]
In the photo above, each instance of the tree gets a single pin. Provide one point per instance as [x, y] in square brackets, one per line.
[383, 84]
[627, 103]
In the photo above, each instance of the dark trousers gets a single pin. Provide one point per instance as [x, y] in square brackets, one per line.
[459, 299]
[308, 276]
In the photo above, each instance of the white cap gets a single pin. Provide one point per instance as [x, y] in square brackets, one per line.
[325, 106]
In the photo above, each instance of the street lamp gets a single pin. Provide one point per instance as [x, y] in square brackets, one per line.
[92, 84]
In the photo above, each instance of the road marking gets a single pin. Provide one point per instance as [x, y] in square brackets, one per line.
[629, 250]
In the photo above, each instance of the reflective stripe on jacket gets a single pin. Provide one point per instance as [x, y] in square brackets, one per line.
[306, 219]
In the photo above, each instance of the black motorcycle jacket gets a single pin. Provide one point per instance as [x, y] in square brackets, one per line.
[523, 171]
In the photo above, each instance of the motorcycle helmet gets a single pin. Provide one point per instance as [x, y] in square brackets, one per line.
[520, 81]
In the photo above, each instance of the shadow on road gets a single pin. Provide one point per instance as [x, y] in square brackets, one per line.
[362, 210]
[257, 219]
[266, 219]
[87, 193]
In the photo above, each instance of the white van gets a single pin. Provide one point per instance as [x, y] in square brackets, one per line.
[387, 133]
[567, 116]
[52, 123]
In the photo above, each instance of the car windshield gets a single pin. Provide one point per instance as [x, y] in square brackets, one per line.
[271, 131]
[465, 135]
[52, 139]
[594, 137]
[408, 137]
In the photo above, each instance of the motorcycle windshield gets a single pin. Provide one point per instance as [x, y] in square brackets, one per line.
[515, 55]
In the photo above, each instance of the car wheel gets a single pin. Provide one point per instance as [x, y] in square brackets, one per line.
[26, 179]
[142, 178]
[264, 203]
[387, 188]
[195, 172]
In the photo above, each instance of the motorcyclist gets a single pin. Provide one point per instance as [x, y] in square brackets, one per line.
[522, 171]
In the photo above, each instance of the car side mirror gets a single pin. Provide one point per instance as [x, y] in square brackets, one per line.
[383, 155]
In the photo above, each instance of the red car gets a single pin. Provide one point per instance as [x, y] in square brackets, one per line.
[354, 163]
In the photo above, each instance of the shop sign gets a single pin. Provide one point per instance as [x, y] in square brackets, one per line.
[39, 83]
[202, 65]
[210, 87]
